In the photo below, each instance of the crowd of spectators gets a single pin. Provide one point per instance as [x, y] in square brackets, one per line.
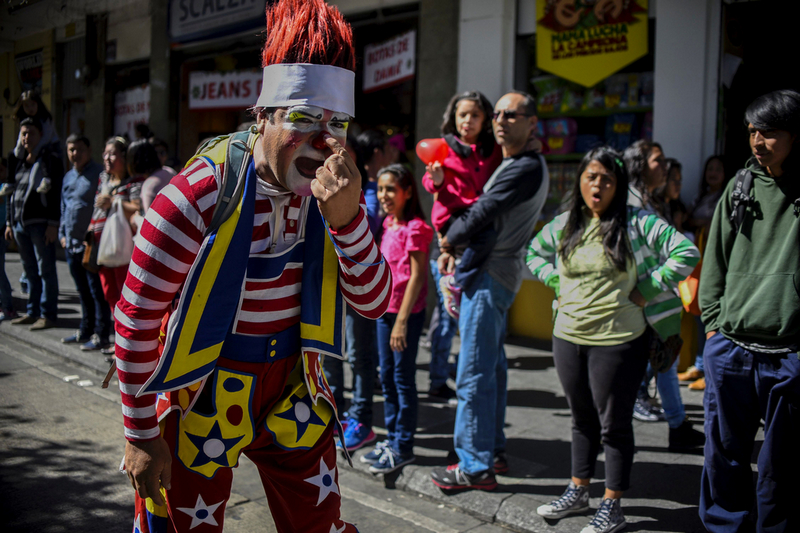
[614, 259]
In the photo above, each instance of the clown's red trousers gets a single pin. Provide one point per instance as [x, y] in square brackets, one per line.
[263, 410]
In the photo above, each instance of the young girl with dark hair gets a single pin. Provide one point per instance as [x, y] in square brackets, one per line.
[614, 268]
[457, 182]
[31, 106]
[405, 242]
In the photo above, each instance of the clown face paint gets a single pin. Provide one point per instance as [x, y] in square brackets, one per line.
[293, 145]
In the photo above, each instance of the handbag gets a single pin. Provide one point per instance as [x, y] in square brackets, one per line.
[116, 241]
[89, 260]
[663, 353]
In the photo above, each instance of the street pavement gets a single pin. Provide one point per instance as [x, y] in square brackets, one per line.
[62, 442]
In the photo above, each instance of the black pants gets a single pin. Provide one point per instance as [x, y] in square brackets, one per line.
[600, 383]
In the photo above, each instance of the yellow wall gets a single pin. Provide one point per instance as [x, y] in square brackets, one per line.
[531, 314]
[9, 78]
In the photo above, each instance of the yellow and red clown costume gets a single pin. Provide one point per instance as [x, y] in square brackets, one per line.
[254, 302]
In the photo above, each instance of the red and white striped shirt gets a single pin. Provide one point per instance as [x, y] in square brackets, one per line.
[168, 243]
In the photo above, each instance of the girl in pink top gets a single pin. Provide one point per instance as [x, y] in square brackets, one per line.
[457, 182]
[405, 243]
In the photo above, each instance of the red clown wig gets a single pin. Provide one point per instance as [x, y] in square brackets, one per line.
[308, 31]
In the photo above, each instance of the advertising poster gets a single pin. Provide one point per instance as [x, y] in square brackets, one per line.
[389, 63]
[585, 41]
[131, 107]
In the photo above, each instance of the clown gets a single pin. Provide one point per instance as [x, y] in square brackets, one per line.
[253, 249]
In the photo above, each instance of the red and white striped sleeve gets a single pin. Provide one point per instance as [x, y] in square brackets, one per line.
[167, 245]
[366, 280]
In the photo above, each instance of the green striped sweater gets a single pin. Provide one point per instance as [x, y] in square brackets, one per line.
[663, 258]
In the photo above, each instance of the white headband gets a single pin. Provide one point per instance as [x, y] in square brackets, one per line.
[325, 86]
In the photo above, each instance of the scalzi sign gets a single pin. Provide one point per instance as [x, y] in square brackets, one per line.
[195, 19]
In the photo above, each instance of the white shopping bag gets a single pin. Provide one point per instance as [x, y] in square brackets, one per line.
[116, 241]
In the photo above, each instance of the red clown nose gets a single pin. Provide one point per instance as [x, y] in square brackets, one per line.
[319, 141]
[432, 150]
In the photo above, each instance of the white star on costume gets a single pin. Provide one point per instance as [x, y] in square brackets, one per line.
[325, 481]
[137, 524]
[201, 513]
[334, 530]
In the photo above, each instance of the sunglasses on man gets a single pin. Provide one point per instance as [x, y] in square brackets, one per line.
[510, 115]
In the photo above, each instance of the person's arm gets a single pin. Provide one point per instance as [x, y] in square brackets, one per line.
[168, 243]
[676, 254]
[55, 170]
[365, 278]
[398, 339]
[62, 237]
[715, 263]
[518, 182]
[543, 253]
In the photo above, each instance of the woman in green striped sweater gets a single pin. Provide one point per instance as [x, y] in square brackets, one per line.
[613, 269]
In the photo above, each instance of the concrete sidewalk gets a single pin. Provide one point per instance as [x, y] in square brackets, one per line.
[665, 486]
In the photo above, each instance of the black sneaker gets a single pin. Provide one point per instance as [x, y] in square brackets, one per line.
[441, 394]
[452, 478]
[500, 463]
[607, 519]
[575, 500]
[685, 438]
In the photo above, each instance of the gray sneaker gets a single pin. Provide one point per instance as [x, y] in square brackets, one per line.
[607, 519]
[575, 500]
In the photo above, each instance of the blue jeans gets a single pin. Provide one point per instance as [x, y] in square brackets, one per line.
[399, 381]
[441, 337]
[39, 262]
[757, 387]
[701, 344]
[482, 374]
[362, 353]
[670, 391]
[95, 312]
[6, 301]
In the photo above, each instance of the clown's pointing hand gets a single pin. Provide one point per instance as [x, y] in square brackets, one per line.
[337, 187]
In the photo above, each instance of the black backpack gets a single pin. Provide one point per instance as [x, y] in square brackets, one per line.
[740, 198]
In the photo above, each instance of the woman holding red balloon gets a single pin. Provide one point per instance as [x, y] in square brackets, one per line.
[458, 166]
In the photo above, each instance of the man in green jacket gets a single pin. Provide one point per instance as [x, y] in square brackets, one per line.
[750, 300]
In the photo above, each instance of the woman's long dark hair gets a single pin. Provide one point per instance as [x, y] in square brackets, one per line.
[486, 136]
[778, 110]
[42, 114]
[613, 222]
[703, 182]
[635, 157]
[142, 158]
[405, 180]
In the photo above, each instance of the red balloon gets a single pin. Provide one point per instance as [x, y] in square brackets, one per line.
[432, 150]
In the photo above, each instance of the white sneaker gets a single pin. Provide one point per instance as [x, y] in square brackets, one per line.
[6, 189]
[44, 186]
[575, 500]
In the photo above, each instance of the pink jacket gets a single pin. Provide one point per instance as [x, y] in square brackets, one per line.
[464, 179]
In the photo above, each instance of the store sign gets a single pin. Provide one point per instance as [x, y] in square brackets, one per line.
[389, 63]
[191, 19]
[29, 67]
[131, 107]
[588, 42]
[224, 90]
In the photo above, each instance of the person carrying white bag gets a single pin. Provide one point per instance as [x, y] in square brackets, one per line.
[118, 200]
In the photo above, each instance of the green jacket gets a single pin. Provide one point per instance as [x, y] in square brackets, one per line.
[750, 282]
[662, 254]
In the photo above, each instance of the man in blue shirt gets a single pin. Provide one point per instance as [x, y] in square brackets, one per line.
[77, 203]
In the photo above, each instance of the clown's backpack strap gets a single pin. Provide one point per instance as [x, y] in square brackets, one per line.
[237, 160]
